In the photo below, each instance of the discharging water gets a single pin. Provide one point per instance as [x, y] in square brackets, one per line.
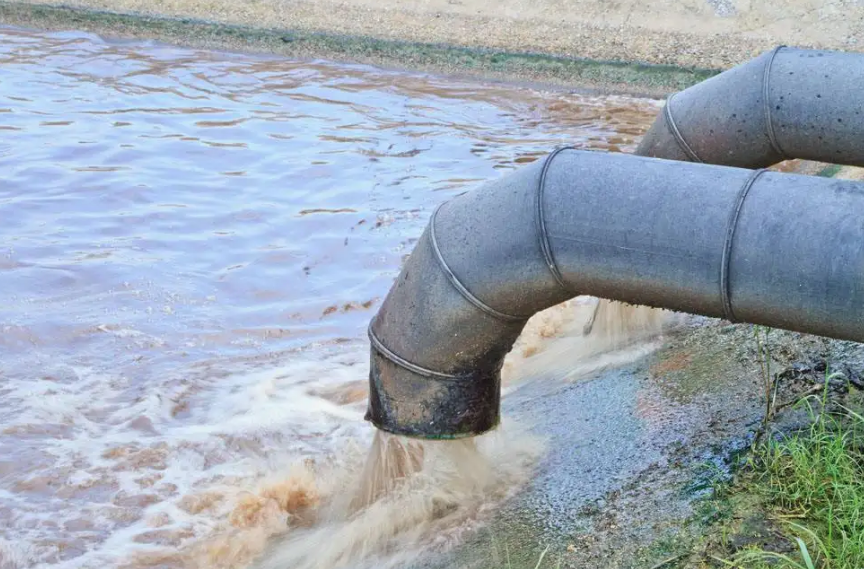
[192, 245]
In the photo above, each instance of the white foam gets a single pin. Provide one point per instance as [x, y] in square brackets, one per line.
[237, 427]
[15, 555]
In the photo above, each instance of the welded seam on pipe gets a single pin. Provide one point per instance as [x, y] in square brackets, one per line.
[412, 367]
[457, 284]
[725, 292]
[676, 134]
[766, 82]
[542, 235]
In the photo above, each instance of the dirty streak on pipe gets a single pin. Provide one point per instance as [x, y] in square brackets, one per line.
[775, 249]
[787, 103]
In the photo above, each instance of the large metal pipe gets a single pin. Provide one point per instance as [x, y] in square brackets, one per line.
[786, 103]
[776, 249]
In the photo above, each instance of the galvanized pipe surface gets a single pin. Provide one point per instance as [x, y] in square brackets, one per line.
[776, 249]
[786, 103]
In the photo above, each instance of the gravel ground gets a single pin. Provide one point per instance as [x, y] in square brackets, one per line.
[692, 33]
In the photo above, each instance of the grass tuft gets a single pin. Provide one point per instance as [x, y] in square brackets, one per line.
[813, 484]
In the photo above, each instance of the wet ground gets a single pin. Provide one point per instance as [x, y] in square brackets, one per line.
[714, 34]
[193, 244]
[628, 449]
[635, 451]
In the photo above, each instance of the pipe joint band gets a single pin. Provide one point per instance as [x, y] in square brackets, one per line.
[542, 235]
[766, 99]
[457, 284]
[388, 354]
[725, 290]
[676, 133]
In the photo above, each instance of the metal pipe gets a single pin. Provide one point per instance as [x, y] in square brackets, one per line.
[775, 249]
[786, 103]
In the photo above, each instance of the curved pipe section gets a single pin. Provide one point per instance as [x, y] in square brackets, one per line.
[696, 238]
[786, 103]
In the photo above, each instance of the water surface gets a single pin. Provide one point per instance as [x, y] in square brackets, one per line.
[192, 245]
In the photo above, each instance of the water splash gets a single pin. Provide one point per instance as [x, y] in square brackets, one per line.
[400, 500]
[618, 324]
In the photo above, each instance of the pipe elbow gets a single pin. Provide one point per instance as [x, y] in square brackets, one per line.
[695, 238]
[786, 103]
[474, 278]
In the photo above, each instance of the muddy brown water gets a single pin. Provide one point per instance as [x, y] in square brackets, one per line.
[192, 245]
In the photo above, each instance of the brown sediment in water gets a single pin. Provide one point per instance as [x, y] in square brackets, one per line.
[407, 492]
[619, 324]
[344, 394]
[554, 342]
[391, 460]
[561, 320]
[294, 496]
[401, 496]
[256, 518]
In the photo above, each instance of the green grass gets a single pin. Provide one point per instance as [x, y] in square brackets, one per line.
[769, 381]
[830, 171]
[812, 486]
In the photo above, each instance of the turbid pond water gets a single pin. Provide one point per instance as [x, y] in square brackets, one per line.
[192, 245]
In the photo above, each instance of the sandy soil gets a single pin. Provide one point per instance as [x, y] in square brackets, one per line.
[851, 173]
[703, 33]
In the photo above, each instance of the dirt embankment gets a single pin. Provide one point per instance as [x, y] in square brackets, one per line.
[713, 34]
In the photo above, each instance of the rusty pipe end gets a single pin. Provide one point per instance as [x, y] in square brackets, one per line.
[412, 404]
